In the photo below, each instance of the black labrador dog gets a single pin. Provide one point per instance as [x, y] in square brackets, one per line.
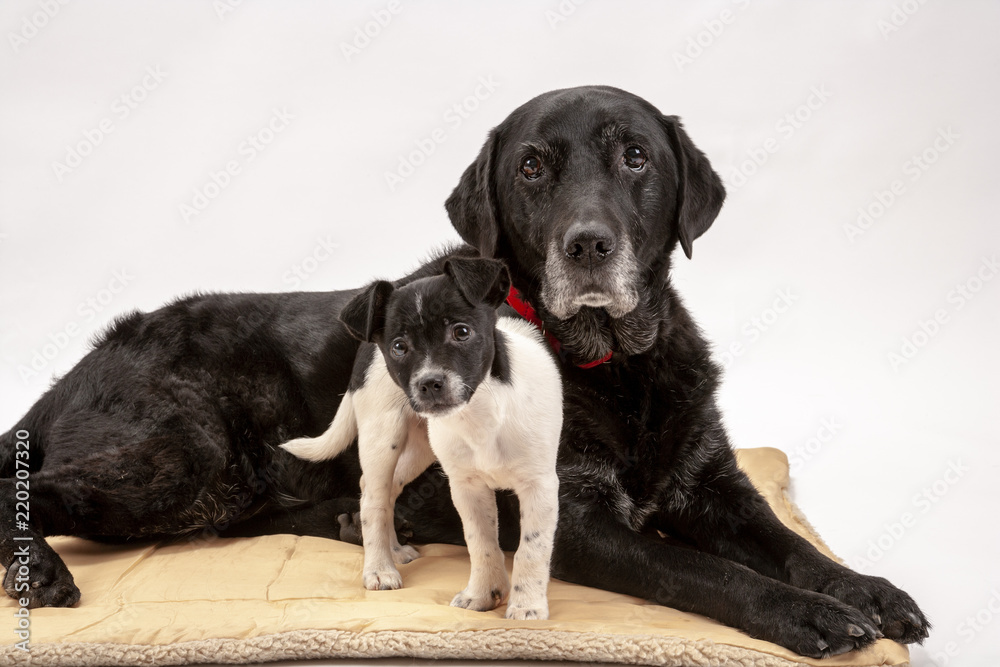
[170, 425]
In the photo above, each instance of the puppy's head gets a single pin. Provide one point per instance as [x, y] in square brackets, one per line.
[585, 192]
[436, 334]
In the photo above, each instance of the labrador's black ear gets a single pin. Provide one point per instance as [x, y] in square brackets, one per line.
[700, 192]
[472, 205]
[480, 280]
[364, 315]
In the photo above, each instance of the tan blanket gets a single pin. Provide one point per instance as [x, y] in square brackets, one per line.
[283, 597]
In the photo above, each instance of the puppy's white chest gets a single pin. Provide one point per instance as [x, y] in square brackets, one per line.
[472, 449]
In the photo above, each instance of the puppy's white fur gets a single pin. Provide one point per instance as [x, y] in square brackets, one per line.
[505, 437]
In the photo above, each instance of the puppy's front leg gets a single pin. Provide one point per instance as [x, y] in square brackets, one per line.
[539, 512]
[379, 452]
[417, 456]
[477, 505]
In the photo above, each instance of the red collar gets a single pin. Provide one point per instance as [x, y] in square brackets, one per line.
[525, 310]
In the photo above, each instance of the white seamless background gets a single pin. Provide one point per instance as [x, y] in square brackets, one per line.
[150, 150]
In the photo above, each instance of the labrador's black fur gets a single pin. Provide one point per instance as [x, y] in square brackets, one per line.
[169, 426]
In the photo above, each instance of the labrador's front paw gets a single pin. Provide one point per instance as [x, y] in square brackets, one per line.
[894, 612]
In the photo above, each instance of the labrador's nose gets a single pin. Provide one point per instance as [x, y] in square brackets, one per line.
[589, 243]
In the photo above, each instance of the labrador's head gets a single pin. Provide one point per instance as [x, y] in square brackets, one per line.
[585, 192]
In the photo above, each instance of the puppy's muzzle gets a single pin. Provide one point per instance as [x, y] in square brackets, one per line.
[435, 392]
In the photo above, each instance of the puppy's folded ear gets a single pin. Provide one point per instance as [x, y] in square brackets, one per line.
[364, 315]
[472, 205]
[700, 192]
[480, 280]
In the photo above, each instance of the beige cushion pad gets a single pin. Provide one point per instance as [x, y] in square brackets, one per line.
[282, 597]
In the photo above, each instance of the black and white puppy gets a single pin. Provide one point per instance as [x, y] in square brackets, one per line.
[481, 394]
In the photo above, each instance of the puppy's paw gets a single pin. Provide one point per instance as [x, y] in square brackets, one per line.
[386, 579]
[528, 601]
[894, 612]
[815, 625]
[522, 611]
[403, 554]
[48, 580]
[477, 601]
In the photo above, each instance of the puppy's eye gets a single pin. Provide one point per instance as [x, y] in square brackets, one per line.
[399, 348]
[531, 167]
[634, 157]
[461, 332]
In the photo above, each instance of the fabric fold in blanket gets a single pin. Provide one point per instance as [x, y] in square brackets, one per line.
[283, 597]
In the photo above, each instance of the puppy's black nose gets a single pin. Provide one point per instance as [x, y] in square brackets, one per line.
[431, 386]
[589, 243]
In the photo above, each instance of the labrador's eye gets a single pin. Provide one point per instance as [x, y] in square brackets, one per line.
[531, 167]
[399, 348]
[461, 332]
[635, 158]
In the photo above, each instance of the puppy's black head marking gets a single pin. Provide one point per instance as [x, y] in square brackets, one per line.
[585, 192]
[479, 280]
[364, 315]
[436, 334]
